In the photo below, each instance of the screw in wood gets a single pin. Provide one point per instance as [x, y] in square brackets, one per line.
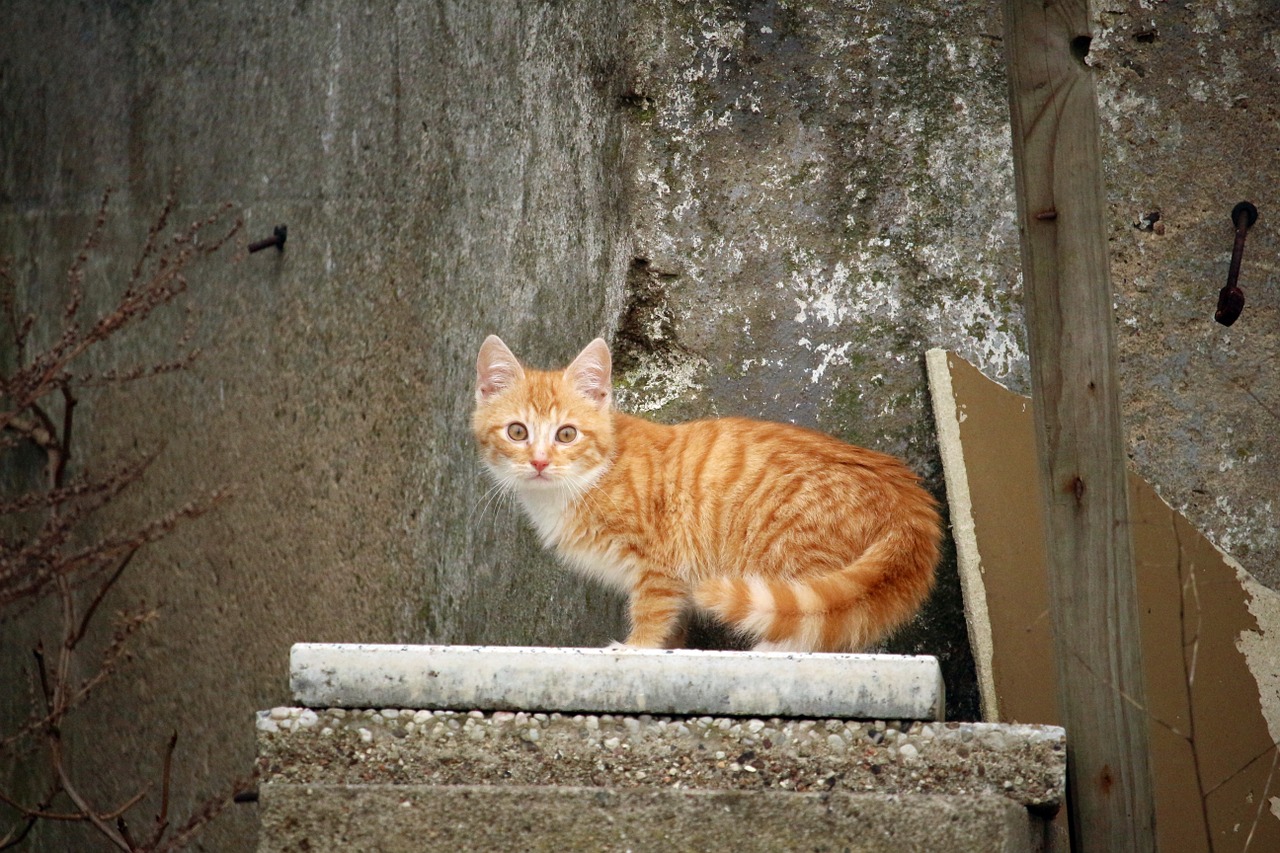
[276, 239]
[1231, 297]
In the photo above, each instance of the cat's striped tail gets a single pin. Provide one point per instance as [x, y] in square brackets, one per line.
[841, 611]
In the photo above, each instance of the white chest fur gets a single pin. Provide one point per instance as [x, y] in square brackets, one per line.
[553, 514]
[549, 509]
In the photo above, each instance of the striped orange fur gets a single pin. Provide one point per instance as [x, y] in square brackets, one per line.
[794, 539]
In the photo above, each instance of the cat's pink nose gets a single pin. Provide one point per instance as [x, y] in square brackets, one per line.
[539, 465]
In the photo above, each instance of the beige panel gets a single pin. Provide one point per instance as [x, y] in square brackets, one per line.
[1211, 715]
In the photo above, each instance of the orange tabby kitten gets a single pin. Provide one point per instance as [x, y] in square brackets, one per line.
[794, 539]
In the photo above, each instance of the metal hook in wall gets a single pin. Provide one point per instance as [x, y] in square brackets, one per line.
[276, 239]
[1231, 297]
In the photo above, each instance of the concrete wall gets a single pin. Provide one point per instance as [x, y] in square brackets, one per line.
[773, 207]
[445, 171]
[822, 192]
[825, 189]
[1190, 95]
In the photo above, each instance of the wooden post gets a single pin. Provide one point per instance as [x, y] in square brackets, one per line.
[1071, 333]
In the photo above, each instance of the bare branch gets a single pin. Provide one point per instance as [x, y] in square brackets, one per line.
[1262, 801]
[29, 816]
[97, 599]
[162, 819]
[43, 670]
[212, 807]
[47, 549]
[75, 274]
[108, 832]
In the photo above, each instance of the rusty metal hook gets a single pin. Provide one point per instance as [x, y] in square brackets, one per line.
[1231, 297]
[276, 239]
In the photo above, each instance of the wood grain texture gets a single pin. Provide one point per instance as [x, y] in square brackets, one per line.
[1068, 302]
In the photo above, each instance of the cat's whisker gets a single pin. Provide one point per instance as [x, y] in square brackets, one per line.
[500, 497]
[489, 499]
[581, 490]
[483, 502]
[584, 490]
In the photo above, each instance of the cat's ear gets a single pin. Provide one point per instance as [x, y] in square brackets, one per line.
[592, 373]
[496, 369]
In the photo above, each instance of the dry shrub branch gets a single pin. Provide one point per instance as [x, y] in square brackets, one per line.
[53, 547]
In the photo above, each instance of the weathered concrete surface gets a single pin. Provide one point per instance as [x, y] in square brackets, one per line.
[445, 171]
[372, 778]
[337, 746]
[410, 819]
[823, 190]
[1189, 94]
[819, 192]
[656, 681]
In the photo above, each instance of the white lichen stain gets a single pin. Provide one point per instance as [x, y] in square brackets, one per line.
[652, 177]
[838, 355]
[1116, 105]
[657, 383]
[749, 102]
[975, 318]
[832, 297]
[750, 364]
[1252, 527]
[836, 281]
[333, 92]
[686, 206]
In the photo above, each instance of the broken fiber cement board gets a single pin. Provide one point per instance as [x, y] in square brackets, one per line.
[1210, 632]
[628, 681]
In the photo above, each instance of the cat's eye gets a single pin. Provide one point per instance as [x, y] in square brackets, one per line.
[566, 434]
[517, 432]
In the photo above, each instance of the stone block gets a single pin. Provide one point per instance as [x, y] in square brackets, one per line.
[413, 819]
[638, 681]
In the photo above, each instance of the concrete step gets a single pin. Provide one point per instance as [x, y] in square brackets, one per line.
[478, 760]
[679, 681]
[417, 818]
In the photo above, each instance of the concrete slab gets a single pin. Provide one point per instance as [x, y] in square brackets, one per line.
[677, 681]
[416, 818]
[1026, 764]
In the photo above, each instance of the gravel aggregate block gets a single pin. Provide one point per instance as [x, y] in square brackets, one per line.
[417, 818]
[422, 747]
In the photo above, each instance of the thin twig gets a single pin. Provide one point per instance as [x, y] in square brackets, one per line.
[18, 834]
[75, 274]
[45, 688]
[44, 552]
[101, 594]
[130, 625]
[55, 746]
[122, 826]
[212, 807]
[1258, 400]
[1243, 767]
[162, 819]
[30, 816]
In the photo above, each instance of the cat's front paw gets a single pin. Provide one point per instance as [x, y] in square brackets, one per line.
[615, 646]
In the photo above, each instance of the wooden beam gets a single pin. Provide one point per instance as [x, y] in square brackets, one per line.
[1071, 333]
